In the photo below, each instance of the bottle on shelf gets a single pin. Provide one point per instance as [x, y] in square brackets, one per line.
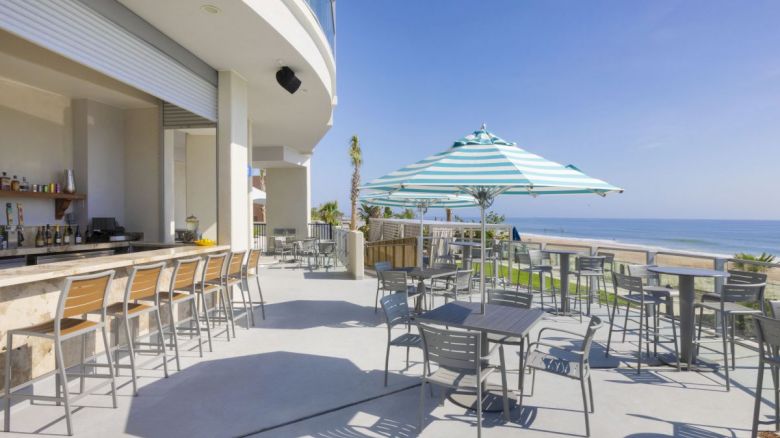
[24, 186]
[15, 184]
[48, 236]
[57, 236]
[67, 236]
[77, 238]
[39, 239]
[5, 182]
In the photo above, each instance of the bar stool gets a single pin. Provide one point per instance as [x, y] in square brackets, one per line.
[143, 284]
[211, 284]
[181, 291]
[537, 264]
[234, 277]
[80, 296]
[252, 271]
[589, 268]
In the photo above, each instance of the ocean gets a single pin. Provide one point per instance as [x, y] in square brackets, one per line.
[712, 236]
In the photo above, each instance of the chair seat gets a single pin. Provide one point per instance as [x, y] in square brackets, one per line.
[661, 290]
[210, 286]
[637, 299]
[563, 362]
[458, 378]
[67, 326]
[181, 296]
[501, 339]
[538, 268]
[587, 273]
[132, 308]
[734, 308]
[407, 340]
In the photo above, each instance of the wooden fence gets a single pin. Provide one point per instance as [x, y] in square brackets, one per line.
[400, 252]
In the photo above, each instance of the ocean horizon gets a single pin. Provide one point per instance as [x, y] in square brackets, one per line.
[720, 236]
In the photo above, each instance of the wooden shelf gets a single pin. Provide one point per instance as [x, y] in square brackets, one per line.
[61, 200]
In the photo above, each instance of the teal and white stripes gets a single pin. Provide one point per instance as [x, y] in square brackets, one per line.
[422, 200]
[485, 160]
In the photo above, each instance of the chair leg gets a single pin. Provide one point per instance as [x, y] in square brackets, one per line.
[9, 350]
[724, 335]
[554, 297]
[206, 316]
[132, 354]
[590, 391]
[196, 318]
[174, 336]
[64, 382]
[639, 355]
[245, 287]
[228, 296]
[110, 363]
[422, 407]
[247, 308]
[585, 407]
[733, 349]
[162, 340]
[262, 301]
[625, 321]
[387, 362]
[82, 377]
[504, 394]
[479, 409]
[757, 405]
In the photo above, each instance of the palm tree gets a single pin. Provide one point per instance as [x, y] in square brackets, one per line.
[329, 213]
[369, 211]
[356, 157]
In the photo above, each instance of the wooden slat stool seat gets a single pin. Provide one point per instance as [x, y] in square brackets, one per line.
[180, 291]
[81, 295]
[143, 284]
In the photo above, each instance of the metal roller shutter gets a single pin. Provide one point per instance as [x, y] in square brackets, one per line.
[77, 32]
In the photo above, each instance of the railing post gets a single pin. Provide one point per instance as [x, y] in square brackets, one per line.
[719, 264]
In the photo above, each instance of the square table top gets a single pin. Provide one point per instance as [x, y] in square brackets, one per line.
[502, 320]
[426, 273]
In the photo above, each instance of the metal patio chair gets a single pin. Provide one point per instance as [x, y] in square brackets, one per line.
[327, 253]
[522, 300]
[211, 287]
[396, 310]
[572, 363]
[742, 288]
[251, 271]
[460, 365]
[234, 278]
[649, 307]
[456, 288]
[589, 269]
[80, 296]
[182, 291]
[536, 263]
[379, 268]
[768, 335]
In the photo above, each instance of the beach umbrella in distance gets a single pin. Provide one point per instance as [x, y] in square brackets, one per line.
[422, 202]
[485, 166]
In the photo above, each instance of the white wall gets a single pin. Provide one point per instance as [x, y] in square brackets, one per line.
[36, 141]
[99, 155]
[143, 165]
[202, 182]
[288, 203]
[180, 178]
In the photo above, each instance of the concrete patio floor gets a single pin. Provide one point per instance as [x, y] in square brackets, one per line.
[314, 367]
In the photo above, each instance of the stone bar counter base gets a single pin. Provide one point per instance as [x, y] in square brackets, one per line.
[29, 296]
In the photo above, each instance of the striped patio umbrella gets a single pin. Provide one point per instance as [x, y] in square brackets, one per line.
[484, 166]
[422, 202]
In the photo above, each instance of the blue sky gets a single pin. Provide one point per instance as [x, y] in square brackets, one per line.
[678, 102]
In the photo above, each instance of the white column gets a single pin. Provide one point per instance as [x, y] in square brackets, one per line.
[288, 203]
[232, 162]
[167, 181]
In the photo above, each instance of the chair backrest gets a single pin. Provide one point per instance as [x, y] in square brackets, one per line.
[309, 245]
[463, 280]
[768, 334]
[84, 294]
[441, 265]
[236, 263]
[773, 309]
[538, 257]
[327, 248]
[609, 258]
[627, 282]
[382, 266]
[214, 266]
[589, 263]
[642, 271]
[253, 261]
[395, 308]
[143, 282]
[503, 297]
[746, 277]
[593, 326]
[394, 281]
[750, 293]
[450, 349]
[183, 275]
[523, 258]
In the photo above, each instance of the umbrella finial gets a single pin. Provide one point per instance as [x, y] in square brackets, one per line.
[484, 126]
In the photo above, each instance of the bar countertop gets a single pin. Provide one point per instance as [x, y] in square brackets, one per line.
[50, 271]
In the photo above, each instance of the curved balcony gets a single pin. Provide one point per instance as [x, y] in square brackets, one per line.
[325, 12]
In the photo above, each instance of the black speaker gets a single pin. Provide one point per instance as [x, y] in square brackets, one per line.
[287, 79]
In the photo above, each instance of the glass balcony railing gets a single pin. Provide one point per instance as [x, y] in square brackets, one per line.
[325, 11]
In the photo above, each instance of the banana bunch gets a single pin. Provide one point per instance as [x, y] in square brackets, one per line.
[205, 242]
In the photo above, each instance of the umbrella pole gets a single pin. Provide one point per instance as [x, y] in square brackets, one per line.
[420, 240]
[482, 262]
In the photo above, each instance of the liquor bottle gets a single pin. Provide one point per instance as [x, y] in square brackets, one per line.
[39, 241]
[5, 182]
[15, 184]
[57, 236]
[78, 235]
[67, 238]
[24, 186]
[48, 236]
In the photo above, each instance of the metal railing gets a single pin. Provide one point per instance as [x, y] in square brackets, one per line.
[259, 236]
[319, 230]
[325, 12]
[340, 236]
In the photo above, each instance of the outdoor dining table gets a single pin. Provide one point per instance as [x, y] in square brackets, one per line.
[470, 245]
[430, 274]
[687, 316]
[564, 272]
[502, 320]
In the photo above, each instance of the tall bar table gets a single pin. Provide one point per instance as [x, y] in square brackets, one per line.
[687, 298]
[564, 258]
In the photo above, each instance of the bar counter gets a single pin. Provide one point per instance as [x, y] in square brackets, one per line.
[29, 295]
